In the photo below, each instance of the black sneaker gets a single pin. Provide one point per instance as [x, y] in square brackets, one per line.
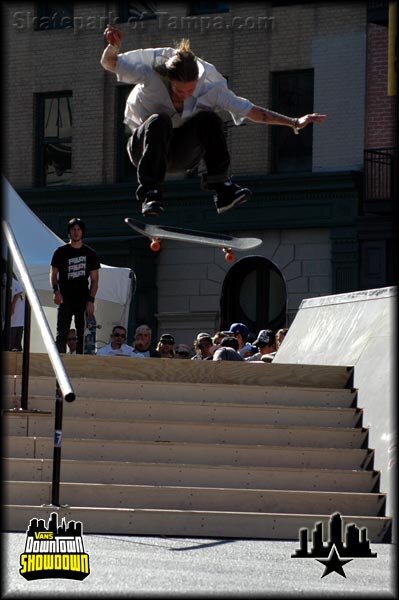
[228, 195]
[152, 205]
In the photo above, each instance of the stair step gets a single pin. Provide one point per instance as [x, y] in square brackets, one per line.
[246, 525]
[242, 413]
[165, 370]
[332, 437]
[205, 393]
[192, 452]
[276, 478]
[196, 498]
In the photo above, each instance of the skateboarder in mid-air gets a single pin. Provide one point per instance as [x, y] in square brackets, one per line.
[171, 112]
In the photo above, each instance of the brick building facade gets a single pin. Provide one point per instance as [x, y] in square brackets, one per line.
[307, 197]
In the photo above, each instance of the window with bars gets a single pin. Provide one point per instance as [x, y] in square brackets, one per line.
[292, 95]
[54, 139]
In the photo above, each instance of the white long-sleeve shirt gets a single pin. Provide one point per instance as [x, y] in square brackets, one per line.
[151, 95]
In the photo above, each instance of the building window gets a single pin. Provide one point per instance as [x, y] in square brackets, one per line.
[125, 170]
[53, 15]
[137, 11]
[293, 96]
[208, 8]
[254, 293]
[54, 139]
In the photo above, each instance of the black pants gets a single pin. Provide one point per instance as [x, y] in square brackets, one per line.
[156, 148]
[66, 311]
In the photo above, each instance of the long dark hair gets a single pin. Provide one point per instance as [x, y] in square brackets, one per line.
[182, 65]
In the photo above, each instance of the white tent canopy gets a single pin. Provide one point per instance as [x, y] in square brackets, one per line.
[37, 244]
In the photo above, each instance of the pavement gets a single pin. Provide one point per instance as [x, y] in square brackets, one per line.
[129, 566]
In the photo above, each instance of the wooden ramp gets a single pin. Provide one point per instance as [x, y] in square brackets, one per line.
[187, 448]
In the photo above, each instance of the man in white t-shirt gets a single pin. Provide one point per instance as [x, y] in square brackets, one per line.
[117, 346]
[17, 316]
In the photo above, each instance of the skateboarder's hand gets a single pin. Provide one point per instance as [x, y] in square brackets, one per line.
[113, 36]
[308, 119]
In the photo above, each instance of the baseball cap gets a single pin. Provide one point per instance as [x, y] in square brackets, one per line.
[239, 328]
[265, 337]
[167, 337]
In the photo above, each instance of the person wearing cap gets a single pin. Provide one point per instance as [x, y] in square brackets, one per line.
[166, 346]
[265, 342]
[241, 332]
[74, 277]
[204, 345]
[182, 351]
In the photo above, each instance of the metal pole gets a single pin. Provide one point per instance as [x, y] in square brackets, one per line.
[7, 308]
[55, 492]
[25, 356]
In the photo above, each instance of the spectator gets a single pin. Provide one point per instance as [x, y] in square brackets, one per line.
[166, 346]
[204, 342]
[241, 332]
[182, 351]
[228, 350]
[280, 335]
[117, 346]
[72, 265]
[227, 353]
[17, 312]
[72, 339]
[265, 344]
[142, 341]
[217, 338]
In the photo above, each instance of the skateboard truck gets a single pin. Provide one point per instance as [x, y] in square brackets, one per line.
[229, 256]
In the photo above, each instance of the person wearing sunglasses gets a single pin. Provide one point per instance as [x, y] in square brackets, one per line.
[166, 346]
[72, 341]
[117, 345]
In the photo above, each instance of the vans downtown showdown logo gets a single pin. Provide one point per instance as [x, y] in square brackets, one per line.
[55, 551]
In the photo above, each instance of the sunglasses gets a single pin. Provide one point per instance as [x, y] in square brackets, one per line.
[121, 335]
[167, 342]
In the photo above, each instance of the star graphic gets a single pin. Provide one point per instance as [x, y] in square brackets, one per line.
[333, 563]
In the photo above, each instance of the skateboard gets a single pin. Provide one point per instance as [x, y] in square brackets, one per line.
[89, 341]
[156, 233]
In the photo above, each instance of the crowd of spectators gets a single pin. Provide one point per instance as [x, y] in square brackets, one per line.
[233, 345]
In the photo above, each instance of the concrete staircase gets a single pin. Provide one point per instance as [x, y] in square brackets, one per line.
[160, 447]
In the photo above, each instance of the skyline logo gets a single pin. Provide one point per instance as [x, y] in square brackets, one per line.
[331, 553]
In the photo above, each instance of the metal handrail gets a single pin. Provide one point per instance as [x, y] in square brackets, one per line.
[55, 359]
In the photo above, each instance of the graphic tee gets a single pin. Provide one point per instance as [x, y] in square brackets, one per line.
[74, 266]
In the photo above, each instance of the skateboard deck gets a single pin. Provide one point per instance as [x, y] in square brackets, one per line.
[89, 341]
[156, 233]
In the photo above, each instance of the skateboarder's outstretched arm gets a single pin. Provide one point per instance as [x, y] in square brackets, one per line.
[258, 114]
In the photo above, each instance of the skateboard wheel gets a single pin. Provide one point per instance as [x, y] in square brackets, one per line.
[155, 246]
